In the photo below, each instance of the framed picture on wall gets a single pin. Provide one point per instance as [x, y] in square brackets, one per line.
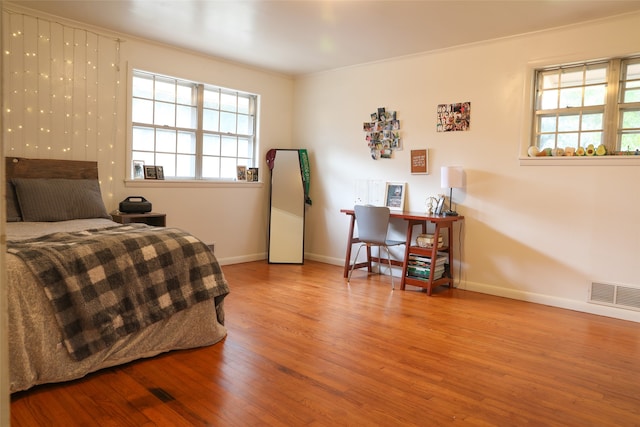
[420, 161]
[394, 196]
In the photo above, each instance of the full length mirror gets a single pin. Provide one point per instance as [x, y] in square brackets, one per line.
[286, 221]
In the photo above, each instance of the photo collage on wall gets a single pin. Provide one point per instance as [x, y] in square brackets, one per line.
[383, 134]
[454, 117]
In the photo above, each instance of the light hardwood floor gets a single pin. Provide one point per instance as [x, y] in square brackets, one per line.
[306, 349]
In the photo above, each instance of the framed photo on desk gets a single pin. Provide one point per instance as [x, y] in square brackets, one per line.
[394, 196]
[439, 206]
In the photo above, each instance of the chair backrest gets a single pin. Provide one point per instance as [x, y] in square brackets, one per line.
[373, 223]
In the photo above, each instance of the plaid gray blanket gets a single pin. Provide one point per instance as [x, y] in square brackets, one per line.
[105, 284]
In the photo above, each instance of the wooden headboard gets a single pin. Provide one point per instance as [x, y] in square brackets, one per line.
[20, 167]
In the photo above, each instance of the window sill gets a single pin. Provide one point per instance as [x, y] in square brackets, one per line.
[632, 160]
[168, 183]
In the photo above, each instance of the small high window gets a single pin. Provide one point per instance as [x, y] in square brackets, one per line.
[594, 104]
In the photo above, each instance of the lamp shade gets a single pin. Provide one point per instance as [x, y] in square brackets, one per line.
[451, 177]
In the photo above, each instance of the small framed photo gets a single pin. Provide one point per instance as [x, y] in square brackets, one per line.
[159, 172]
[439, 206]
[241, 173]
[150, 172]
[394, 196]
[252, 174]
[138, 169]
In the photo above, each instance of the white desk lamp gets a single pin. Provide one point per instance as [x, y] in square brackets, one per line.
[451, 177]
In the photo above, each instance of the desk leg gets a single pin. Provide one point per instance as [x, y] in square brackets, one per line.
[450, 237]
[347, 259]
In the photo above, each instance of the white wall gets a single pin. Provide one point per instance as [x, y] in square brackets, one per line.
[538, 233]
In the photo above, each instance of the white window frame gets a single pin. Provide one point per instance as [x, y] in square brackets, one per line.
[249, 160]
[611, 121]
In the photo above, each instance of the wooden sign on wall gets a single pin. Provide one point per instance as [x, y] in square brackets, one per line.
[420, 161]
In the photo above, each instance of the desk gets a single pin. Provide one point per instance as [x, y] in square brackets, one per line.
[412, 218]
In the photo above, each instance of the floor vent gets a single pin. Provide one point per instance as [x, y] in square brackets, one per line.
[615, 295]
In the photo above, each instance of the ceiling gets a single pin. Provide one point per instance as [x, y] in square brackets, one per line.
[305, 36]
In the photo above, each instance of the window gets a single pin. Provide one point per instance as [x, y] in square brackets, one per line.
[192, 130]
[589, 104]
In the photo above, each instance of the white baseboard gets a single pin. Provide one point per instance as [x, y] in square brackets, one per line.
[569, 304]
[241, 259]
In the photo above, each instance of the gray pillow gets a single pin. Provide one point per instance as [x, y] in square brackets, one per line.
[59, 199]
[13, 209]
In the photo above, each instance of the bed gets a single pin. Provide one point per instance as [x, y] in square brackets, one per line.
[86, 293]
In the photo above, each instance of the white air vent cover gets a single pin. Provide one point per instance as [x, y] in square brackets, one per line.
[615, 295]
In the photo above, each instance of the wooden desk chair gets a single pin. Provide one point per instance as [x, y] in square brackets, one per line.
[373, 225]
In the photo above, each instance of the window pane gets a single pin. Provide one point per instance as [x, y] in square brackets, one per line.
[186, 166]
[571, 97]
[168, 162]
[165, 90]
[211, 167]
[211, 145]
[568, 123]
[632, 70]
[548, 124]
[228, 168]
[547, 141]
[143, 139]
[592, 122]
[187, 117]
[186, 142]
[596, 74]
[227, 122]
[166, 140]
[210, 120]
[594, 138]
[567, 140]
[186, 94]
[243, 105]
[165, 114]
[143, 87]
[228, 102]
[595, 95]
[212, 99]
[549, 100]
[142, 111]
[631, 120]
[572, 78]
[243, 148]
[630, 141]
[550, 80]
[229, 147]
[243, 125]
[632, 95]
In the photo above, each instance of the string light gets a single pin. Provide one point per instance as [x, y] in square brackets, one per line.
[45, 107]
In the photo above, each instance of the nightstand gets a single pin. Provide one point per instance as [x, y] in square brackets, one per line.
[151, 218]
